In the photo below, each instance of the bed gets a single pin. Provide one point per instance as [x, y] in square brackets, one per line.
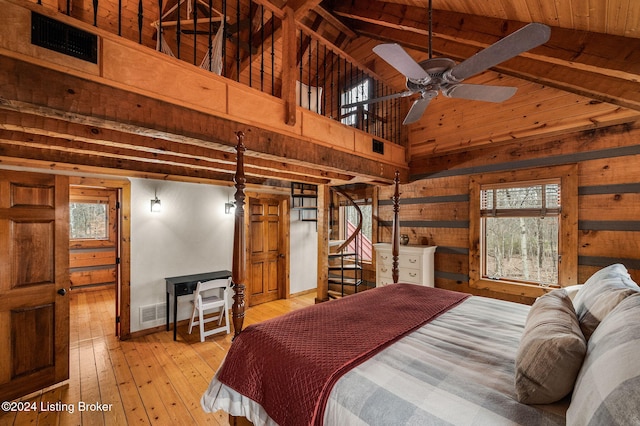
[436, 357]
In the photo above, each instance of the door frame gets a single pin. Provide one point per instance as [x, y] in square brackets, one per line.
[123, 271]
[285, 232]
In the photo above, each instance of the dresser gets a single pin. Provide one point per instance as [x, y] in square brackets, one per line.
[415, 264]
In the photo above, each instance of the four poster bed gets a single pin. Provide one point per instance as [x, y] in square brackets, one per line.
[407, 354]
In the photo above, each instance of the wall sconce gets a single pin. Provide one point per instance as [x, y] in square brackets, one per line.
[156, 206]
[228, 206]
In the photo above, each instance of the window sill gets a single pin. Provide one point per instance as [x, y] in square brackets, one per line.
[510, 287]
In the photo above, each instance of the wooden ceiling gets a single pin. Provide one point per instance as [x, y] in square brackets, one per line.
[586, 76]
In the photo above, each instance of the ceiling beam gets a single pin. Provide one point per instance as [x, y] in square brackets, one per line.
[29, 89]
[604, 67]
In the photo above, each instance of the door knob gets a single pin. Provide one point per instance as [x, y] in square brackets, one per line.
[62, 292]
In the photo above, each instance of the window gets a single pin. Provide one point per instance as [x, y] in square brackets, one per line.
[357, 93]
[523, 230]
[88, 221]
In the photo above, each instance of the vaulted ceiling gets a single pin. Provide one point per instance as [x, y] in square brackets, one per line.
[586, 76]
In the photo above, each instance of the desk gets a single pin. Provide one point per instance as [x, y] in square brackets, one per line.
[184, 285]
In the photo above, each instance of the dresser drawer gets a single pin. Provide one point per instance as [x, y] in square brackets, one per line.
[411, 276]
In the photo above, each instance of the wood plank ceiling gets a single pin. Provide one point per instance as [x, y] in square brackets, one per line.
[587, 76]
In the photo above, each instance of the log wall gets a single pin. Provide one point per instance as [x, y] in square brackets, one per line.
[435, 205]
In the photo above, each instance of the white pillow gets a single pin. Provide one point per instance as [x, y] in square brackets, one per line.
[600, 294]
[607, 390]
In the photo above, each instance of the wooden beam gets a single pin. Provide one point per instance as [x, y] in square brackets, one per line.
[30, 89]
[335, 22]
[600, 66]
[289, 49]
[324, 204]
[100, 139]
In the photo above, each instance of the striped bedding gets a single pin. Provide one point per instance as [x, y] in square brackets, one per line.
[457, 369]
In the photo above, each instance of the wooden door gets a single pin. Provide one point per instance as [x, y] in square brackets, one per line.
[34, 279]
[266, 250]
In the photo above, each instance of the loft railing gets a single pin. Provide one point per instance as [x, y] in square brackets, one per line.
[247, 41]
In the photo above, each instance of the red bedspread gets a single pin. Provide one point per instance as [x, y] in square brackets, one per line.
[290, 363]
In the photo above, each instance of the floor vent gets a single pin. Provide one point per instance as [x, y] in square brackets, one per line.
[155, 312]
[63, 38]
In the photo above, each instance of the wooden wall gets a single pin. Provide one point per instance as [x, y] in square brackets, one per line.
[435, 205]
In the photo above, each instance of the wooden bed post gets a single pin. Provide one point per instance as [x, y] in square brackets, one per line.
[395, 231]
[237, 269]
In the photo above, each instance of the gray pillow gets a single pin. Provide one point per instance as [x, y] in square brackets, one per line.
[600, 294]
[551, 350]
[607, 390]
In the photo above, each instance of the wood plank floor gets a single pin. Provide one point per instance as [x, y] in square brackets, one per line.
[149, 380]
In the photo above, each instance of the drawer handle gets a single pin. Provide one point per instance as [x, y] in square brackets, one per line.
[412, 274]
[383, 269]
[383, 257]
[413, 260]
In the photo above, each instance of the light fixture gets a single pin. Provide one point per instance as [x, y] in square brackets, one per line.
[156, 206]
[228, 206]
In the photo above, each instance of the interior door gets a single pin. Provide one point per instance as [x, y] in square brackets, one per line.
[34, 278]
[266, 250]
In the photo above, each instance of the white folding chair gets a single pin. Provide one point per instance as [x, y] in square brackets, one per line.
[204, 300]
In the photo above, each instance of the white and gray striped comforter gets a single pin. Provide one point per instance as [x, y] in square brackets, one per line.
[458, 369]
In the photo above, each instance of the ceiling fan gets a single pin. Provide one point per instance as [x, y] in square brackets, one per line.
[434, 75]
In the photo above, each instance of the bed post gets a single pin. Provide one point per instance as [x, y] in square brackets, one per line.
[395, 231]
[237, 269]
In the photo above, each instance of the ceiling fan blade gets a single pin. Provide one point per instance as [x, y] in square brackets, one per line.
[417, 109]
[398, 58]
[479, 92]
[380, 99]
[526, 38]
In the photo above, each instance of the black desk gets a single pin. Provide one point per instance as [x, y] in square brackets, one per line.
[186, 284]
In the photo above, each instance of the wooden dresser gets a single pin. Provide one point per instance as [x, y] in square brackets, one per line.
[415, 264]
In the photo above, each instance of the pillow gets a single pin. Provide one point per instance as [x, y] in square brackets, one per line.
[600, 294]
[607, 390]
[551, 350]
[572, 290]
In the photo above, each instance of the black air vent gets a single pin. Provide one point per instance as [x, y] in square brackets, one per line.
[63, 38]
[378, 146]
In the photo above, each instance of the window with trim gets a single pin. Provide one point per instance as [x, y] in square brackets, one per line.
[358, 93]
[523, 230]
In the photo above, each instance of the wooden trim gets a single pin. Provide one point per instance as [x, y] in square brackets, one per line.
[324, 204]
[124, 271]
[567, 240]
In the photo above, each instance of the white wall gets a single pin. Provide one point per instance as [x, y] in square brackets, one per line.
[303, 263]
[192, 234]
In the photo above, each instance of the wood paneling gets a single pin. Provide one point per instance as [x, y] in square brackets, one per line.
[607, 200]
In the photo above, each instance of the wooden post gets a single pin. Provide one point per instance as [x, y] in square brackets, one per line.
[238, 267]
[323, 203]
[395, 231]
[289, 49]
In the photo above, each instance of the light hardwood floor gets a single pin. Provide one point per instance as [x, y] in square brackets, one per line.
[146, 380]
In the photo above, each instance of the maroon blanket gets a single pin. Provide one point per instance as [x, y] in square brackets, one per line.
[289, 364]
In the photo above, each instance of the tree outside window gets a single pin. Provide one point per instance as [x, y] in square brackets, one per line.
[523, 230]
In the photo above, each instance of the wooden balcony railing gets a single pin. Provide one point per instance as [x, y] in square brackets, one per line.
[257, 44]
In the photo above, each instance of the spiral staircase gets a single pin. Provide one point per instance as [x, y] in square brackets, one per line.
[345, 271]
